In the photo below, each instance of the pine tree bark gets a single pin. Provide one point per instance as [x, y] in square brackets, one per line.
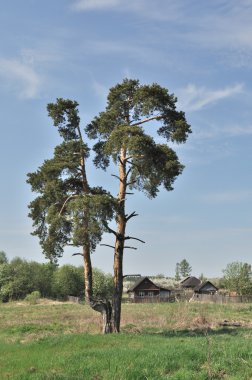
[119, 244]
[102, 306]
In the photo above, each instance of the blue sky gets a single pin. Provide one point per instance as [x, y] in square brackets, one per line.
[78, 49]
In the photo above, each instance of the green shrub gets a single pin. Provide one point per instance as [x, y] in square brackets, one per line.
[33, 298]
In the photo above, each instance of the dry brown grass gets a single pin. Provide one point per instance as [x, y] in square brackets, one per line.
[29, 322]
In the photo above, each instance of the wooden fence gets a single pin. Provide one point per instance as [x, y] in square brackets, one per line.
[150, 299]
[221, 298]
[214, 298]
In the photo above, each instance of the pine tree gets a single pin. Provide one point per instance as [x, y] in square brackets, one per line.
[68, 211]
[143, 164]
[185, 268]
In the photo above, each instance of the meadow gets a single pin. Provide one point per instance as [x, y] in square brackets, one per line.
[158, 341]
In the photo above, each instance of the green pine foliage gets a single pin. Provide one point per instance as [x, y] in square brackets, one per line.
[184, 269]
[65, 201]
[130, 106]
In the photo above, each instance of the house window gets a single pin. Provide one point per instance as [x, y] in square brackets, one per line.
[150, 294]
[141, 294]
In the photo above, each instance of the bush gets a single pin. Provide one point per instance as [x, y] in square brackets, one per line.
[68, 280]
[33, 298]
[102, 284]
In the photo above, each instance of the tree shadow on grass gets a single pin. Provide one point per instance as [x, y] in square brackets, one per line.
[200, 332]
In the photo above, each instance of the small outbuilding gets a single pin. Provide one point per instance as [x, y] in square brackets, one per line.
[144, 288]
[206, 288]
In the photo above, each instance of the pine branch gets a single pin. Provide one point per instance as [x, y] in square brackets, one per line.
[128, 158]
[134, 238]
[128, 172]
[134, 164]
[130, 247]
[116, 176]
[109, 229]
[77, 254]
[107, 245]
[130, 183]
[120, 160]
[70, 197]
[158, 117]
[132, 215]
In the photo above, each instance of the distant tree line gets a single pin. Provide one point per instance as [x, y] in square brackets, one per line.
[19, 278]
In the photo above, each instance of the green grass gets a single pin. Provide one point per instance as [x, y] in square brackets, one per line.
[165, 341]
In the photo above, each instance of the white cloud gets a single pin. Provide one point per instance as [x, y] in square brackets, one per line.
[237, 130]
[228, 197]
[20, 77]
[50, 55]
[211, 131]
[146, 8]
[88, 5]
[194, 98]
[223, 25]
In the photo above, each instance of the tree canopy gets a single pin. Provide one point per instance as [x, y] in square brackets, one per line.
[238, 278]
[130, 106]
[64, 193]
[183, 269]
[3, 257]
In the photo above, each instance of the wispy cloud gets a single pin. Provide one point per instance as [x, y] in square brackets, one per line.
[210, 131]
[88, 5]
[237, 130]
[228, 197]
[194, 98]
[223, 25]
[39, 56]
[20, 77]
[145, 8]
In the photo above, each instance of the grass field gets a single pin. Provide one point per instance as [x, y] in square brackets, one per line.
[158, 341]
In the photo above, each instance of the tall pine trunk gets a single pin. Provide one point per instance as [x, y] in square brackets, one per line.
[119, 245]
[101, 306]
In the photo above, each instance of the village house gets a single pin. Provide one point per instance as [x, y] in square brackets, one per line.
[190, 283]
[145, 290]
[206, 288]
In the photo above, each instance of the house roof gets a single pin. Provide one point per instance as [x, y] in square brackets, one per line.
[190, 282]
[181, 282]
[201, 286]
[131, 289]
[140, 280]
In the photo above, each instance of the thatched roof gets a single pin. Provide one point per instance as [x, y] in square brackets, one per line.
[190, 282]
